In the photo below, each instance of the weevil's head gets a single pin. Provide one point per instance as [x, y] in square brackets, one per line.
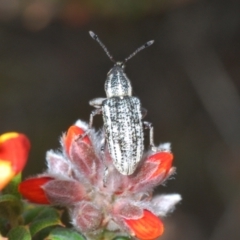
[117, 83]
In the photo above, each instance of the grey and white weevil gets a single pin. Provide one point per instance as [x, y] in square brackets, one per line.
[122, 116]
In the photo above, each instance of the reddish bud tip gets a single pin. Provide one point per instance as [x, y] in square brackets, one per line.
[148, 227]
[165, 162]
[73, 133]
[32, 189]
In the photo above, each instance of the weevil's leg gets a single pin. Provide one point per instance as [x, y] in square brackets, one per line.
[96, 102]
[93, 113]
[149, 126]
[105, 174]
[144, 112]
[103, 145]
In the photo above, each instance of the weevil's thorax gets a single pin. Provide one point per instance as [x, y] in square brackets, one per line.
[117, 83]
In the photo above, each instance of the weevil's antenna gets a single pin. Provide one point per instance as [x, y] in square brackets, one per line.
[95, 37]
[147, 44]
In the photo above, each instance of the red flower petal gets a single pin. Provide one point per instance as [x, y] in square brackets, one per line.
[154, 170]
[165, 163]
[148, 227]
[14, 148]
[32, 190]
[72, 134]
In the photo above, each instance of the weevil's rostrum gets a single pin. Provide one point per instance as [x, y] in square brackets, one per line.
[122, 116]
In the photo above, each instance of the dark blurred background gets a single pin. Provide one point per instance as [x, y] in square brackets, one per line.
[188, 80]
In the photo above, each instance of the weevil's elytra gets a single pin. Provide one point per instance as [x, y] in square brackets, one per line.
[122, 116]
[124, 131]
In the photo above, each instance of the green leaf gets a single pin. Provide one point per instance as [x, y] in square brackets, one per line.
[19, 233]
[10, 208]
[31, 212]
[34, 212]
[49, 212]
[44, 233]
[12, 187]
[107, 235]
[8, 198]
[64, 234]
[38, 225]
[4, 228]
[41, 218]
[121, 238]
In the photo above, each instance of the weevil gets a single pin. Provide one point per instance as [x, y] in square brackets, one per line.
[122, 116]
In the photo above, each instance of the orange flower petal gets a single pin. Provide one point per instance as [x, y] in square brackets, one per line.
[6, 173]
[14, 148]
[72, 134]
[148, 227]
[165, 162]
[31, 189]
[6, 136]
